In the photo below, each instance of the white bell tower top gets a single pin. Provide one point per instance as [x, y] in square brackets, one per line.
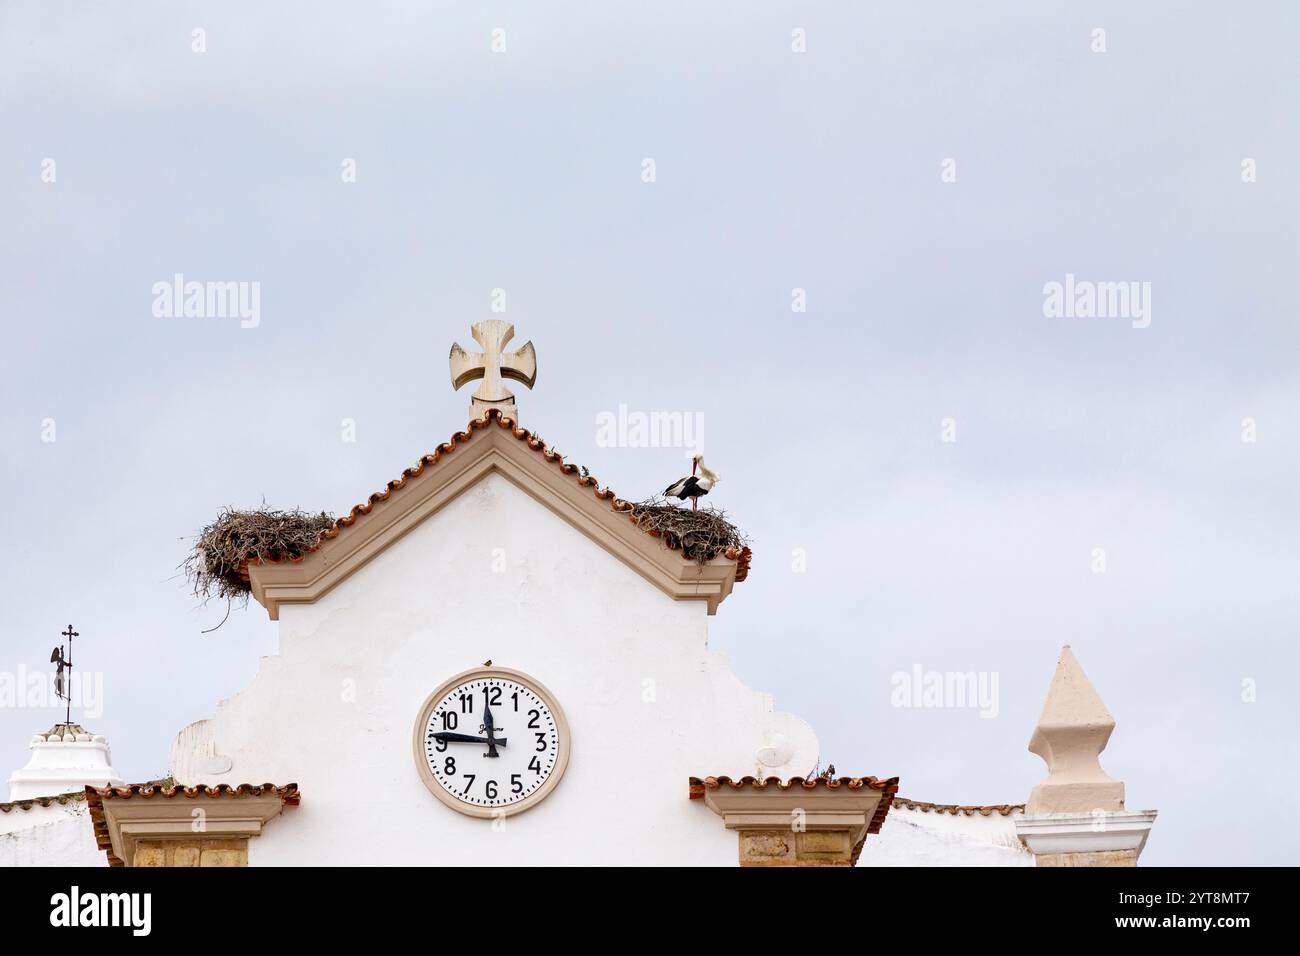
[65, 759]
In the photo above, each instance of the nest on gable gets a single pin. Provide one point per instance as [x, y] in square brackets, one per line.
[218, 565]
[700, 535]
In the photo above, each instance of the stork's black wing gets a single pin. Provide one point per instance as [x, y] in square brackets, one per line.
[683, 488]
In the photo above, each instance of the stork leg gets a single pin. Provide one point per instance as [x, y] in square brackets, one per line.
[695, 504]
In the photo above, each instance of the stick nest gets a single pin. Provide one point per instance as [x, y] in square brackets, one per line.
[700, 535]
[217, 566]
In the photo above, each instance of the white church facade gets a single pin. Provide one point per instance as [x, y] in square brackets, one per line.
[520, 674]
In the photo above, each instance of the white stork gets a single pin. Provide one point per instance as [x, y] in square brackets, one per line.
[691, 486]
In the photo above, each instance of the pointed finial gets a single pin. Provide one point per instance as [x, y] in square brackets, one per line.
[1072, 731]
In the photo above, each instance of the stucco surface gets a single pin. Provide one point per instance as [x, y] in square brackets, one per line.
[916, 838]
[494, 575]
[57, 835]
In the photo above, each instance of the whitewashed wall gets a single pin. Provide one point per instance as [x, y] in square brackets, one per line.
[334, 710]
[918, 838]
[57, 835]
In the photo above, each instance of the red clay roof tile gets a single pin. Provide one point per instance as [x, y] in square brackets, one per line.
[741, 556]
[1003, 809]
[60, 798]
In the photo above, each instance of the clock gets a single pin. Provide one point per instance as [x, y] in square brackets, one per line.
[491, 742]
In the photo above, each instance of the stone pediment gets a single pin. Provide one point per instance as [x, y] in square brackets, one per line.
[492, 444]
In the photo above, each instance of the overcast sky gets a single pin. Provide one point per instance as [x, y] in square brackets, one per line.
[774, 170]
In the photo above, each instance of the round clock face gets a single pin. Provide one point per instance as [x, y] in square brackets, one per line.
[491, 742]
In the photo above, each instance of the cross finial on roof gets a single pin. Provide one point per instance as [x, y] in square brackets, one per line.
[492, 365]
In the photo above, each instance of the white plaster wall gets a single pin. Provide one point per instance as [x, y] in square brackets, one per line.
[334, 710]
[57, 835]
[917, 838]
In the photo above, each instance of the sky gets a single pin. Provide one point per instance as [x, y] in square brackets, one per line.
[836, 257]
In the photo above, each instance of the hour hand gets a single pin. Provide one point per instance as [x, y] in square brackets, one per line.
[463, 738]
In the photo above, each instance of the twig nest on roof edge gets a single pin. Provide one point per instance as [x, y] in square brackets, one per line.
[700, 535]
[217, 567]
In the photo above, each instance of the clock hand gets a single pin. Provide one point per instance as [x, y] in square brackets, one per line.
[463, 738]
[490, 726]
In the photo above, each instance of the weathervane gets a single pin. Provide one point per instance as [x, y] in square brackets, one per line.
[492, 365]
[62, 681]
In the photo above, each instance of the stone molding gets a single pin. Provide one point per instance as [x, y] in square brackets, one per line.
[126, 820]
[492, 449]
[799, 826]
[1098, 838]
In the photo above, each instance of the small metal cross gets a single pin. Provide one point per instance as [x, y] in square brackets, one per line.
[62, 684]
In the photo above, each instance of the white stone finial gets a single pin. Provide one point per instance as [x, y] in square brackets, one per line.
[492, 365]
[1076, 817]
[1072, 731]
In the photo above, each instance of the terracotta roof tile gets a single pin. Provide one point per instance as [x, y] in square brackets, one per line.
[287, 792]
[1003, 809]
[60, 798]
[700, 784]
[95, 797]
[59, 729]
[741, 556]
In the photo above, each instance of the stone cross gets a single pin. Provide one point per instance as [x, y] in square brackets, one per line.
[492, 365]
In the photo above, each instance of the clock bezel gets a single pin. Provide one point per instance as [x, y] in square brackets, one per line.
[450, 799]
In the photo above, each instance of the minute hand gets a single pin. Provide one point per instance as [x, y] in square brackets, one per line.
[464, 738]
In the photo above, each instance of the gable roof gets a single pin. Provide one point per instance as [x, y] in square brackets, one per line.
[494, 443]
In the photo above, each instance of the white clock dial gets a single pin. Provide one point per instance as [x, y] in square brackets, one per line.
[491, 742]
